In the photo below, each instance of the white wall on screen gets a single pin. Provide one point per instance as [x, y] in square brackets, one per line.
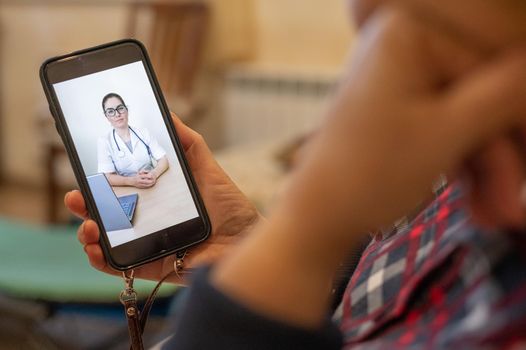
[81, 103]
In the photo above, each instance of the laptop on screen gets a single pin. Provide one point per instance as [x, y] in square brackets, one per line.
[128, 204]
[116, 213]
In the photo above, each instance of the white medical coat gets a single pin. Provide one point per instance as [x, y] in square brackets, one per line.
[124, 162]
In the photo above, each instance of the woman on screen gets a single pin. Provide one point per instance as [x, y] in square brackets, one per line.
[129, 156]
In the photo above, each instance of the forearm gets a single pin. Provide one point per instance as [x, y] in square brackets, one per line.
[309, 234]
[162, 166]
[119, 180]
[250, 275]
[301, 247]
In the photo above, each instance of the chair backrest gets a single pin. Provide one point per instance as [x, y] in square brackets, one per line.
[175, 42]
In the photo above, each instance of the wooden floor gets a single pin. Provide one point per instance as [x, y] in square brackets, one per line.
[25, 203]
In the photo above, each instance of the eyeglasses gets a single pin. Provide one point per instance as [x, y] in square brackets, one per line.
[112, 112]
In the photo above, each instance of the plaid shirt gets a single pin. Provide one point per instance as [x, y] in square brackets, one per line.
[440, 282]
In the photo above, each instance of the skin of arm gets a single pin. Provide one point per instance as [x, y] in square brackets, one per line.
[138, 180]
[118, 180]
[370, 163]
[162, 166]
[141, 180]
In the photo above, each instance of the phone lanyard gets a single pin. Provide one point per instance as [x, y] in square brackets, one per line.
[128, 297]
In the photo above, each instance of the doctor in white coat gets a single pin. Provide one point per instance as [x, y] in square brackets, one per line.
[129, 156]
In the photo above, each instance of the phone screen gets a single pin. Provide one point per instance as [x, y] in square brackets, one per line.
[119, 134]
[123, 149]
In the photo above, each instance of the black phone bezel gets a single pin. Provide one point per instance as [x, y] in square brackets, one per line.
[155, 245]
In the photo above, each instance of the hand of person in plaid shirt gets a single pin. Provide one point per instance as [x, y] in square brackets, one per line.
[403, 114]
[496, 172]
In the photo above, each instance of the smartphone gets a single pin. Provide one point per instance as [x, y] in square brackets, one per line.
[124, 150]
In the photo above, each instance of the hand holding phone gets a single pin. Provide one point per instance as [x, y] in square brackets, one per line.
[231, 213]
[117, 130]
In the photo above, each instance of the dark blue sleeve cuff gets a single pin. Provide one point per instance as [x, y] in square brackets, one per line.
[212, 320]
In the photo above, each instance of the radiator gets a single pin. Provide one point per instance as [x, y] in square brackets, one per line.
[262, 105]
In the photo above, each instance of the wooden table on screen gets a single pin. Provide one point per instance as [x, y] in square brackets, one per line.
[156, 206]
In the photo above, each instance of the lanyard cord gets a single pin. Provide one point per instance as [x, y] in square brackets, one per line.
[128, 297]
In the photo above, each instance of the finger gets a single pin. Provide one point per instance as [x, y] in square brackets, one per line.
[96, 257]
[145, 182]
[497, 177]
[80, 235]
[88, 232]
[75, 203]
[486, 101]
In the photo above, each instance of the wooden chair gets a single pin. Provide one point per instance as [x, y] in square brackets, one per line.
[177, 32]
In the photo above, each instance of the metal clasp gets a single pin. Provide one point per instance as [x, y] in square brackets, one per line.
[179, 262]
[128, 293]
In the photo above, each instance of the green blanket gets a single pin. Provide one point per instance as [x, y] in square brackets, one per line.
[49, 264]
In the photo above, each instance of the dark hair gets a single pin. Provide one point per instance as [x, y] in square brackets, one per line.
[110, 95]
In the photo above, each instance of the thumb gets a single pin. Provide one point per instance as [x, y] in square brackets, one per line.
[487, 101]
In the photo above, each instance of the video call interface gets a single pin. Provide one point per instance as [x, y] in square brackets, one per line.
[126, 152]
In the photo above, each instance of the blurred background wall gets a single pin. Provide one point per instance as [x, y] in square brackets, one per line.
[301, 34]
[252, 76]
[266, 51]
[32, 31]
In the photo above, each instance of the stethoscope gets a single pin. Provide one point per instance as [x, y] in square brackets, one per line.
[121, 153]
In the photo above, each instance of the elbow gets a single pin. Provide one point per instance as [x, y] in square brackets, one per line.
[164, 160]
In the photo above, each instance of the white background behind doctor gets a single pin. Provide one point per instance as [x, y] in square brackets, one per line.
[81, 98]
